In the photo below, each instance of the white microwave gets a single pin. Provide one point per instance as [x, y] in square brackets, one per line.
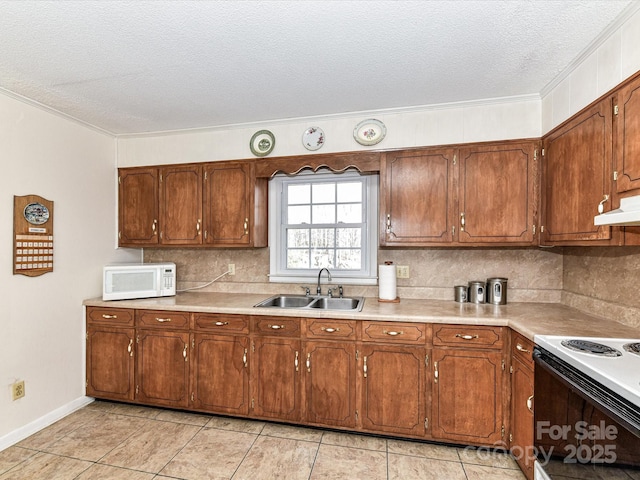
[138, 280]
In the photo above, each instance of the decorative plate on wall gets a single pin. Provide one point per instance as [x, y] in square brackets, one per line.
[313, 138]
[369, 132]
[262, 143]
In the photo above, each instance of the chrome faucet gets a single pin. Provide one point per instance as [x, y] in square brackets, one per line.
[319, 290]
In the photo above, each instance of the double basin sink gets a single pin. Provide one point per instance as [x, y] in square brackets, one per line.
[319, 302]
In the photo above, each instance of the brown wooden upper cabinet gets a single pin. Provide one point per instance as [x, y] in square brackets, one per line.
[577, 177]
[483, 194]
[211, 204]
[627, 137]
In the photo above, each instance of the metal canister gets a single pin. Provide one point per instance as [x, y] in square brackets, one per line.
[497, 291]
[476, 291]
[460, 293]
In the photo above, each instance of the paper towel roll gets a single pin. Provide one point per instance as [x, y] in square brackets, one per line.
[387, 282]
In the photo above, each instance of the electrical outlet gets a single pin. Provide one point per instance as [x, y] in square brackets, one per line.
[18, 389]
[232, 269]
[402, 271]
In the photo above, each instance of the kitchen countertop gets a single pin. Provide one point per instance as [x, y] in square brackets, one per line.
[528, 319]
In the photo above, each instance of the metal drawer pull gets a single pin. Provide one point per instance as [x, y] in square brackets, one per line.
[330, 329]
[435, 372]
[104, 315]
[466, 337]
[184, 352]
[163, 320]
[244, 358]
[364, 368]
[130, 347]
[309, 362]
[392, 333]
[221, 324]
[530, 403]
[296, 361]
[276, 327]
[520, 348]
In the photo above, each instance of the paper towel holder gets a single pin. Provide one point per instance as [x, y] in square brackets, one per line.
[395, 300]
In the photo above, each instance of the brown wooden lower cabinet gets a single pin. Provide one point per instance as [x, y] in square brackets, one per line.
[521, 438]
[426, 381]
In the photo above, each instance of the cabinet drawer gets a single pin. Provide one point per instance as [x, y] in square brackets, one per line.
[394, 332]
[328, 329]
[522, 348]
[162, 319]
[467, 336]
[110, 316]
[230, 324]
[277, 326]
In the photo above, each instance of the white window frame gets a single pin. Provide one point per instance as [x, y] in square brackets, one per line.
[277, 238]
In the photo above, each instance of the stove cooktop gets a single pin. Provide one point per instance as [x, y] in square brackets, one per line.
[613, 362]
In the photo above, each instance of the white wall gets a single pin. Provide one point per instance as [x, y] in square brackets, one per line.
[42, 317]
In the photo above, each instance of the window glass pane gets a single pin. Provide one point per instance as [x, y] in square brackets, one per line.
[350, 192]
[324, 193]
[321, 258]
[299, 193]
[297, 237]
[299, 215]
[323, 237]
[349, 259]
[324, 213]
[350, 213]
[348, 237]
[297, 258]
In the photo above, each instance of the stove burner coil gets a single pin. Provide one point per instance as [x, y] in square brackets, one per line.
[633, 348]
[592, 348]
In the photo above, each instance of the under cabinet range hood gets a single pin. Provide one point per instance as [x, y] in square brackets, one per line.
[627, 214]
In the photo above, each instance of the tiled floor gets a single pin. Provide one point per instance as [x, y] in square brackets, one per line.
[115, 441]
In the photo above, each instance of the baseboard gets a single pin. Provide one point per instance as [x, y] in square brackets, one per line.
[30, 428]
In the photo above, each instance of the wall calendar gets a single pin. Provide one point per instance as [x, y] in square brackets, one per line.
[32, 235]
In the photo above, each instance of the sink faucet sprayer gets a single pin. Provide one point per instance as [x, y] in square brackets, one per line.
[319, 290]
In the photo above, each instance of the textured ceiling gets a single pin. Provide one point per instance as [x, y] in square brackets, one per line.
[136, 66]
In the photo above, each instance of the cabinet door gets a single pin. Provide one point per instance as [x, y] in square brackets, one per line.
[521, 439]
[138, 206]
[393, 389]
[181, 205]
[229, 200]
[162, 375]
[110, 363]
[627, 137]
[220, 373]
[468, 396]
[276, 366]
[330, 379]
[417, 197]
[577, 177]
[497, 193]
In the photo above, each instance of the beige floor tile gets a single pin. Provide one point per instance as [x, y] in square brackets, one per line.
[634, 474]
[486, 457]
[212, 454]
[335, 462]
[63, 427]
[183, 417]
[273, 458]
[292, 432]
[236, 424]
[420, 449]
[12, 456]
[353, 440]
[405, 467]
[96, 438]
[481, 472]
[585, 472]
[151, 447]
[44, 466]
[135, 410]
[104, 472]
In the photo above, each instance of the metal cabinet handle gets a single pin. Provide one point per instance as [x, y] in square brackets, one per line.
[520, 348]
[246, 226]
[330, 329]
[221, 324]
[388, 223]
[462, 221]
[530, 403]
[276, 327]
[435, 372]
[163, 320]
[184, 352]
[364, 367]
[198, 226]
[244, 358]
[130, 347]
[296, 361]
[466, 337]
[154, 227]
[392, 333]
[104, 315]
[309, 362]
[601, 204]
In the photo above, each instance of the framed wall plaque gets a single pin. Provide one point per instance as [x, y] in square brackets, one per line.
[32, 235]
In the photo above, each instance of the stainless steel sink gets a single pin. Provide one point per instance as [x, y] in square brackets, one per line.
[317, 302]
